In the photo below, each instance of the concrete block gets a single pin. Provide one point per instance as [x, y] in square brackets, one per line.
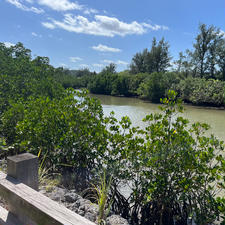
[24, 168]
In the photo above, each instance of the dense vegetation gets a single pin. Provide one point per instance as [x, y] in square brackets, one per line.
[174, 171]
[198, 75]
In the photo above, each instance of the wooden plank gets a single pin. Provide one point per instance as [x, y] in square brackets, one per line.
[28, 203]
[7, 218]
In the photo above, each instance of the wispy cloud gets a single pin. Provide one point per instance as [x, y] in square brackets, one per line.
[61, 5]
[48, 25]
[102, 26]
[83, 66]
[57, 5]
[63, 65]
[36, 35]
[97, 65]
[19, 4]
[90, 11]
[75, 59]
[107, 61]
[8, 44]
[104, 48]
[118, 62]
[155, 27]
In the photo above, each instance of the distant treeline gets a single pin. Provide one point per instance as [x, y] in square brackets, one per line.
[198, 75]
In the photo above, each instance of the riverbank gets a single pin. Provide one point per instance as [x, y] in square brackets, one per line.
[147, 101]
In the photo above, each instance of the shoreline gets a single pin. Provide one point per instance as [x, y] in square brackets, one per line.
[183, 102]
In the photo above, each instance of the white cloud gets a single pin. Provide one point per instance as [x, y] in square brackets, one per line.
[19, 5]
[107, 61]
[35, 10]
[48, 25]
[120, 62]
[36, 35]
[83, 65]
[61, 5]
[155, 27]
[90, 11]
[97, 65]
[104, 48]
[63, 65]
[75, 59]
[102, 26]
[8, 44]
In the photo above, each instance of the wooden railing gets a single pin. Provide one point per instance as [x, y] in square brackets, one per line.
[25, 205]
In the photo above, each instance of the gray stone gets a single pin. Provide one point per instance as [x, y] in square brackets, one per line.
[116, 220]
[90, 216]
[57, 194]
[80, 212]
[24, 168]
[72, 197]
[93, 208]
[83, 201]
[73, 207]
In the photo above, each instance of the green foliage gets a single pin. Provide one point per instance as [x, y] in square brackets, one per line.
[22, 77]
[201, 91]
[72, 78]
[110, 69]
[157, 85]
[102, 194]
[206, 48]
[122, 84]
[70, 130]
[3, 147]
[206, 60]
[173, 169]
[155, 60]
[102, 83]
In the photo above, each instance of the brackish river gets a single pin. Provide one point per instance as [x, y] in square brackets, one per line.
[137, 109]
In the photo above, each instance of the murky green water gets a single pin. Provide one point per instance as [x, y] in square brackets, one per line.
[137, 109]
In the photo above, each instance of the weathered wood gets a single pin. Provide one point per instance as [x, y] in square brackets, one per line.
[7, 218]
[28, 203]
[24, 168]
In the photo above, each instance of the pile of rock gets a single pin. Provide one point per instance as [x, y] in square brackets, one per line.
[81, 206]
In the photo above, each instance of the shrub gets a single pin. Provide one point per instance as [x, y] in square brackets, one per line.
[70, 130]
[175, 171]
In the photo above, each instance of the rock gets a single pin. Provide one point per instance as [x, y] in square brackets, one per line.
[93, 208]
[74, 206]
[82, 202]
[71, 197]
[57, 194]
[116, 220]
[80, 212]
[90, 216]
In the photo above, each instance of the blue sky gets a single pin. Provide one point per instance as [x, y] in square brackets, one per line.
[87, 33]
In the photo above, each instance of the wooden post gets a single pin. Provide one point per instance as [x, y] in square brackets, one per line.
[24, 168]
